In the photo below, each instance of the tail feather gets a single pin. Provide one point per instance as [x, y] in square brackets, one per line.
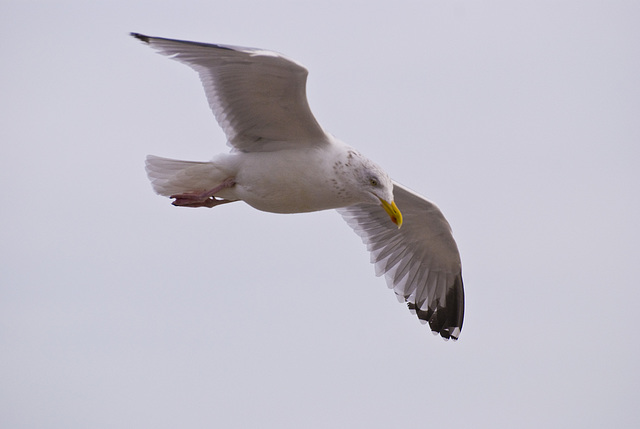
[171, 176]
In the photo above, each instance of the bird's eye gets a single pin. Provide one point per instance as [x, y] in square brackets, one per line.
[373, 181]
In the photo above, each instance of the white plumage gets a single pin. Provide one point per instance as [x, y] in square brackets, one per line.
[282, 161]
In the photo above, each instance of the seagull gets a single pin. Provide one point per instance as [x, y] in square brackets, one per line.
[282, 161]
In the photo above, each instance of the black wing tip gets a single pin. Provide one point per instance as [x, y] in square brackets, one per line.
[141, 37]
[446, 321]
[147, 39]
[438, 322]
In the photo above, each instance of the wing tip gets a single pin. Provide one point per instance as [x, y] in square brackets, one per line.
[147, 39]
[444, 320]
[141, 37]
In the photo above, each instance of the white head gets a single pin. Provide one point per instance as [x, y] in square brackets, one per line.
[374, 183]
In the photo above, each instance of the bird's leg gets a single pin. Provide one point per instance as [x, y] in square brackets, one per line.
[203, 199]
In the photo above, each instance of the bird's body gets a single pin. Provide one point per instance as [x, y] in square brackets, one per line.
[284, 181]
[282, 161]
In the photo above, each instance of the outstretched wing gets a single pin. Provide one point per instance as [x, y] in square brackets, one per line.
[258, 97]
[420, 261]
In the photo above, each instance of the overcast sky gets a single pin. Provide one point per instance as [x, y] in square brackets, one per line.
[521, 120]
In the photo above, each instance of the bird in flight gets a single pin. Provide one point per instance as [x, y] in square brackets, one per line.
[282, 161]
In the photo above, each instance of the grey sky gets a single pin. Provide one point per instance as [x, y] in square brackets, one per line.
[118, 310]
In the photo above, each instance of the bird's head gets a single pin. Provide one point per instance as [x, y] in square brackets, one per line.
[377, 186]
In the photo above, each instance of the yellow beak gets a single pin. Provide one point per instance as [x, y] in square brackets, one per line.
[393, 212]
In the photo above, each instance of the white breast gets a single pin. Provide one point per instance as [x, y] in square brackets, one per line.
[290, 181]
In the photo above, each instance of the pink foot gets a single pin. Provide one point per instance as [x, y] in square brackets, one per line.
[203, 199]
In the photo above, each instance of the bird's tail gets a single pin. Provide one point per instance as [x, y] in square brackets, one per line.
[171, 176]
